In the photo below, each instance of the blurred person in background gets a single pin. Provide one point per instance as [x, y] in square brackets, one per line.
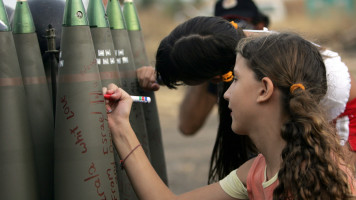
[340, 103]
[211, 57]
[200, 100]
[202, 92]
[246, 14]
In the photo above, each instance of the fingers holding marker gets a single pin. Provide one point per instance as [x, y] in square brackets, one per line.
[110, 103]
[139, 99]
[107, 107]
[118, 102]
[114, 93]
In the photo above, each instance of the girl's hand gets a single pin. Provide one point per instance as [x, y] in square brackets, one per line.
[118, 106]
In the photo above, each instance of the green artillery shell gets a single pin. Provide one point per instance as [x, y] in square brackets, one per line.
[84, 153]
[105, 53]
[16, 149]
[103, 43]
[130, 84]
[37, 96]
[151, 112]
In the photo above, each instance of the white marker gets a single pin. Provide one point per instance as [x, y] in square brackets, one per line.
[140, 99]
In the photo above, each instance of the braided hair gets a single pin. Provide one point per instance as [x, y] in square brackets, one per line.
[312, 156]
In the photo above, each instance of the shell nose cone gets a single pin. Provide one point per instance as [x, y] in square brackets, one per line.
[131, 17]
[115, 16]
[74, 14]
[96, 14]
[22, 21]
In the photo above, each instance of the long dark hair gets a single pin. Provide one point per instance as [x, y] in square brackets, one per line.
[197, 50]
[230, 150]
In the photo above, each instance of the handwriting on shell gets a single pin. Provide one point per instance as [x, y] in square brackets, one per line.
[112, 176]
[105, 134]
[108, 148]
[93, 175]
[75, 131]
[89, 67]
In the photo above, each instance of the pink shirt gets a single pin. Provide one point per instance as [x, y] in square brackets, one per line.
[257, 186]
[259, 189]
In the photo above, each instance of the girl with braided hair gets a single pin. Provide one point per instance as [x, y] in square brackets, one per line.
[279, 81]
[310, 160]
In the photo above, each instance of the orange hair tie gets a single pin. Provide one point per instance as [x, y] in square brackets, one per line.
[227, 77]
[296, 86]
[234, 24]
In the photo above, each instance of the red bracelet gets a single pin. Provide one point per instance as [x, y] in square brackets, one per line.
[123, 161]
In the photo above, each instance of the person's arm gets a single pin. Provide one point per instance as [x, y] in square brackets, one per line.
[198, 102]
[143, 177]
[146, 76]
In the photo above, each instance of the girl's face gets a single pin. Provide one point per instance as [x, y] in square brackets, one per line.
[242, 96]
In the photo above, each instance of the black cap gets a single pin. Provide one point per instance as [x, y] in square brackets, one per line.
[240, 9]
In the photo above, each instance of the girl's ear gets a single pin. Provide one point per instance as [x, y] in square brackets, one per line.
[266, 90]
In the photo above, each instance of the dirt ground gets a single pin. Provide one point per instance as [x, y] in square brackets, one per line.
[187, 158]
